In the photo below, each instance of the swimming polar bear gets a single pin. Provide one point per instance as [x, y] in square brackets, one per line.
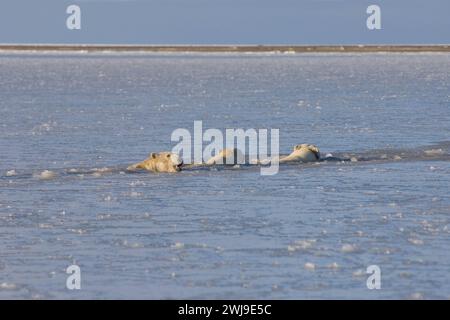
[303, 153]
[159, 162]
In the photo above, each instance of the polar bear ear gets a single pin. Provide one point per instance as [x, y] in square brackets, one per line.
[153, 155]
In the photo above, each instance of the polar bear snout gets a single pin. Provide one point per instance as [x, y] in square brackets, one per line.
[175, 159]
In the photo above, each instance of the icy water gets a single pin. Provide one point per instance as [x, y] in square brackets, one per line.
[308, 232]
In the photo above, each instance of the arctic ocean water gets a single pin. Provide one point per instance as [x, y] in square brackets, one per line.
[308, 232]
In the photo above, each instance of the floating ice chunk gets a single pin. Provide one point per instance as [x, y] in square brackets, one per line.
[392, 204]
[45, 127]
[97, 172]
[45, 175]
[77, 231]
[178, 245]
[268, 161]
[434, 152]
[300, 103]
[398, 215]
[45, 226]
[135, 194]
[310, 266]
[137, 183]
[105, 169]
[8, 286]
[416, 242]
[11, 173]
[333, 265]
[305, 244]
[301, 245]
[104, 216]
[359, 273]
[133, 245]
[416, 296]
[349, 248]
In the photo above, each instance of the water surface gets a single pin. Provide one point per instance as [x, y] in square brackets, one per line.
[308, 232]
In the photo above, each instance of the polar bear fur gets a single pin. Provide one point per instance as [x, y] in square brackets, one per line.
[303, 153]
[230, 156]
[159, 162]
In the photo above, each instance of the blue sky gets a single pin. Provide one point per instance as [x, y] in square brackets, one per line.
[226, 22]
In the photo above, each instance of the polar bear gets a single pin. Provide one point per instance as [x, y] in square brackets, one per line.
[228, 156]
[159, 162]
[303, 153]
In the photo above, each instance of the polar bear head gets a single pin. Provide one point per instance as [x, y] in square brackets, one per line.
[308, 151]
[159, 162]
[165, 162]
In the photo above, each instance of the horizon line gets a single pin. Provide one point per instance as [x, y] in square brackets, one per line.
[227, 48]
